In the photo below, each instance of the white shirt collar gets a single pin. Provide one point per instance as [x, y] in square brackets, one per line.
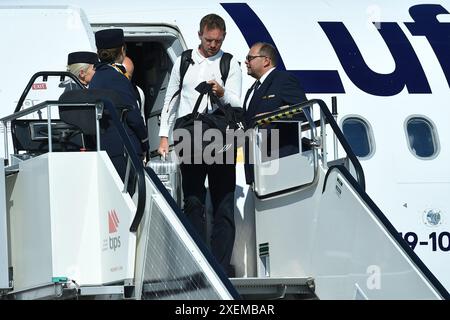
[265, 75]
[199, 58]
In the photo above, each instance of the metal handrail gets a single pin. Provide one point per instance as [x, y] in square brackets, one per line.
[389, 228]
[135, 162]
[277, 116]
[42, 105]
[47, 104]
[343, 141]
[297, 108]
[45, 75]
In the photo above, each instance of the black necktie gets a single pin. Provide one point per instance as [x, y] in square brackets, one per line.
[249, 91]
[257, 84]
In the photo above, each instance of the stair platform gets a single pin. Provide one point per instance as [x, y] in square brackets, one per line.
[275, 288]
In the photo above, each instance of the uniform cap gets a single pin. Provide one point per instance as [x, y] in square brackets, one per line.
[82, 57]
[109, 38]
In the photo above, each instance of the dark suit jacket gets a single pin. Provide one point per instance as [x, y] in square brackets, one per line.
[280, 88]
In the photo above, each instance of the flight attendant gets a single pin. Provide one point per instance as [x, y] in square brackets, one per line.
[111, 74]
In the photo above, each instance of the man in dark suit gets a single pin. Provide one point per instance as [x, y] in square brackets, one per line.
[271, 90]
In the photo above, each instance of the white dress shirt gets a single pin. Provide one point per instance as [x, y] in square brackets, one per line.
[261, 80]
[203, 69]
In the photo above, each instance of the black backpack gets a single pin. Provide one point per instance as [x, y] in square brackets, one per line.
[186, 61]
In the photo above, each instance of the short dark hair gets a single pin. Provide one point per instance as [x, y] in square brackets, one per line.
[212, 21]
[268, 50]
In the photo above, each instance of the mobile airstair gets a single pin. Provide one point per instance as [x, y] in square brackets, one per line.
[70, 230]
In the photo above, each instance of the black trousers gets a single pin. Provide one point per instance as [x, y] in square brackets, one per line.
[222, 183]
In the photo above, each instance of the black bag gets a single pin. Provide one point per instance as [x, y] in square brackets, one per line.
[229, 121]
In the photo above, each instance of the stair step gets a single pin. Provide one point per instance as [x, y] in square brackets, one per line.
[275, 288]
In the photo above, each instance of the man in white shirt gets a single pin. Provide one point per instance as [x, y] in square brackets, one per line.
[205, 66]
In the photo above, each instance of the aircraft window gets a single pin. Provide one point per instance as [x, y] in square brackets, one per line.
[358, 135]
[422, 138]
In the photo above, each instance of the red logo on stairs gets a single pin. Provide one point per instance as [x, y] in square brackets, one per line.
[113, 221]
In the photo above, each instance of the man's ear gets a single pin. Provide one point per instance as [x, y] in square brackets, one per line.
[224, 34]
[200, 35]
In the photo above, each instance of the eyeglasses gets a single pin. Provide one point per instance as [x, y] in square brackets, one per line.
[250, 58]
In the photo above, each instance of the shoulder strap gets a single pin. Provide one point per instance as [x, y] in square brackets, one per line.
[186, 61]
[225, 66]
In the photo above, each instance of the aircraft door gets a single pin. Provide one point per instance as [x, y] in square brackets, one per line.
[153, 48]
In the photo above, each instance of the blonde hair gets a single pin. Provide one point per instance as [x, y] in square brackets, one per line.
[77, 67]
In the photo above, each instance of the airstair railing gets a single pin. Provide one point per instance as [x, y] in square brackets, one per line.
[47, 105]
[137, 165]
[326, 118]
[285, 114]
[132, 156]
[390, 229]
[343, 141]
[168, 198]
[45, 75]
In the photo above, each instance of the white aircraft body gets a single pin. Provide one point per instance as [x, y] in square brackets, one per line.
[386, 62]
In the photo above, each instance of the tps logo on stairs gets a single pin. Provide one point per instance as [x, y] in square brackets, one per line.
[113, 225]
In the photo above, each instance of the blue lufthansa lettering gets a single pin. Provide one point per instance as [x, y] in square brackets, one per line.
[253, 30]
[437, 33]
[408, 70]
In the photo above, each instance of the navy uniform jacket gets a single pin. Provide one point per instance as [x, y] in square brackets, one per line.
[280, 88]
[106, 77]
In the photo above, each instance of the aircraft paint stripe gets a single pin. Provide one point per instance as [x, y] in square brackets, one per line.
[319, 81]
[253, 30]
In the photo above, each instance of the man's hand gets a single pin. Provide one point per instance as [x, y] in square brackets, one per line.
[163, 149]
[216, 88]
